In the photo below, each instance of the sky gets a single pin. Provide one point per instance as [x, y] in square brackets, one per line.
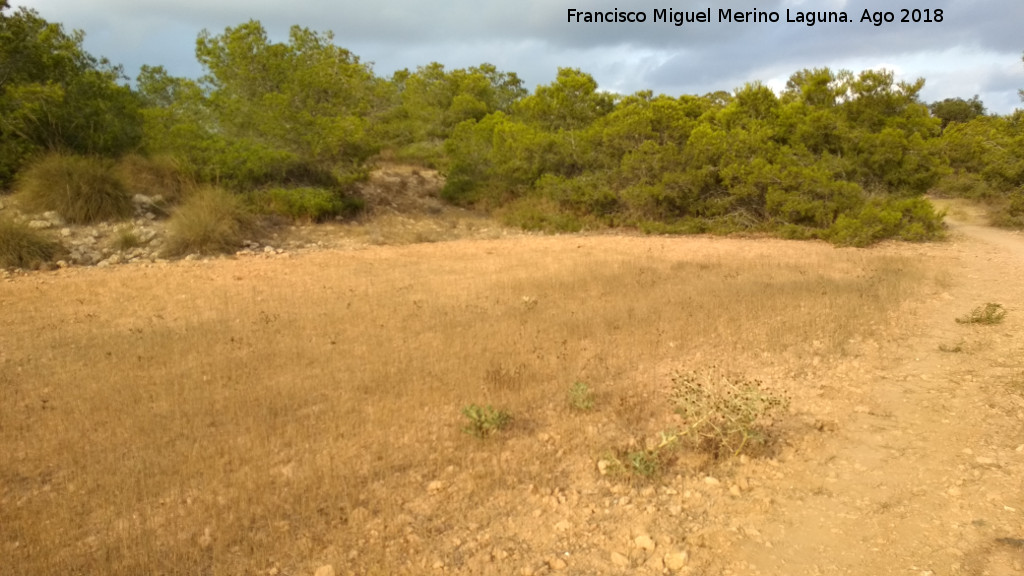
[975, 50]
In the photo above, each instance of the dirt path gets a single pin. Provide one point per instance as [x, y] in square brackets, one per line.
[923, 472]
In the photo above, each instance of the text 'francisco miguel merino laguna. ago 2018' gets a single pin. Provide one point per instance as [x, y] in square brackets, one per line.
[728, 15]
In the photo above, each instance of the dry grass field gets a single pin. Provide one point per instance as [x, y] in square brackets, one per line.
[245, 416]
[272, 415]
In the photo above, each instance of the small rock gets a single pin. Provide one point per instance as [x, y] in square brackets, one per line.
[563, 526]
[326, 570]
[985, 461]
[602, 467]
[438, 565]
[711, 481]
[644, 542]
[39, 224]
[619, 559]
[676, 560]
[735, 490]
[557, 563]
[268, 249]
[62, 264]
[65, 232]
[435, 486]
[143, 199]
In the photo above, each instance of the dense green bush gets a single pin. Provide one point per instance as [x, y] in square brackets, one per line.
[210, 220]
[82, 189]
[308, 204]
[912, 219]
[23, 247]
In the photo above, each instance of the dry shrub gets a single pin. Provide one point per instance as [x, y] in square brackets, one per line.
[210, 220]
[82, 189]
[155, 176]
[23, 247]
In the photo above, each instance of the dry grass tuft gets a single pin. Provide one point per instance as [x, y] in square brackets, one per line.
[82, 189]
[270, 415]
[155, 176]
[209, 221]
[23, 247]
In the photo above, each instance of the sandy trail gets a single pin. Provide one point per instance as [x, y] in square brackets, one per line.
[923, 474]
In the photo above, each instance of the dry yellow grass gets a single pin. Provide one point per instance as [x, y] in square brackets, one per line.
[253, 416]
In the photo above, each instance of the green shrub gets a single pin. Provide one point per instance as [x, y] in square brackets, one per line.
[82, 189]
[309, 204]
[156, 176]
[484, 420]
[726, 415]
[541, 214]
[23, 247]
[911, 219]
[210, 220]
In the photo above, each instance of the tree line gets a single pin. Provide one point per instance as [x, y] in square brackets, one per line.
[836, 155]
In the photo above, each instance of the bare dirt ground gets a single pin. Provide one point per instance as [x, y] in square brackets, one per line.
[924, 472]
[904, 452]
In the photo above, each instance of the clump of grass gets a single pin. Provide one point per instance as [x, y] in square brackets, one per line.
[209, 221]
[155, 176]
[82, 189]
[991, 313]
[23, 247]
[581, 397]
[727, 415]
[484, 421]
[126, 238]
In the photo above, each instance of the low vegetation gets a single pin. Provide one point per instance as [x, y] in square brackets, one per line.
[726, 415]
[302, 204]
[23, 247]
[991, 313]
[484, 421]
[82, 189]
[210, 220]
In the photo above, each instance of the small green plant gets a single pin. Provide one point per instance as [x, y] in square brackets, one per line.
[726, 415]
[484, 420]
[23, 247]
[991, 313]
[82, 189]
[637, 464]
[126, 238]
[581, 397]
[209, 221]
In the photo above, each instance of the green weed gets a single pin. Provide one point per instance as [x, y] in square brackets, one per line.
[484, 421]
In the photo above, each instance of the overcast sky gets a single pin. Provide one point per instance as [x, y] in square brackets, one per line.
[976, 49]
